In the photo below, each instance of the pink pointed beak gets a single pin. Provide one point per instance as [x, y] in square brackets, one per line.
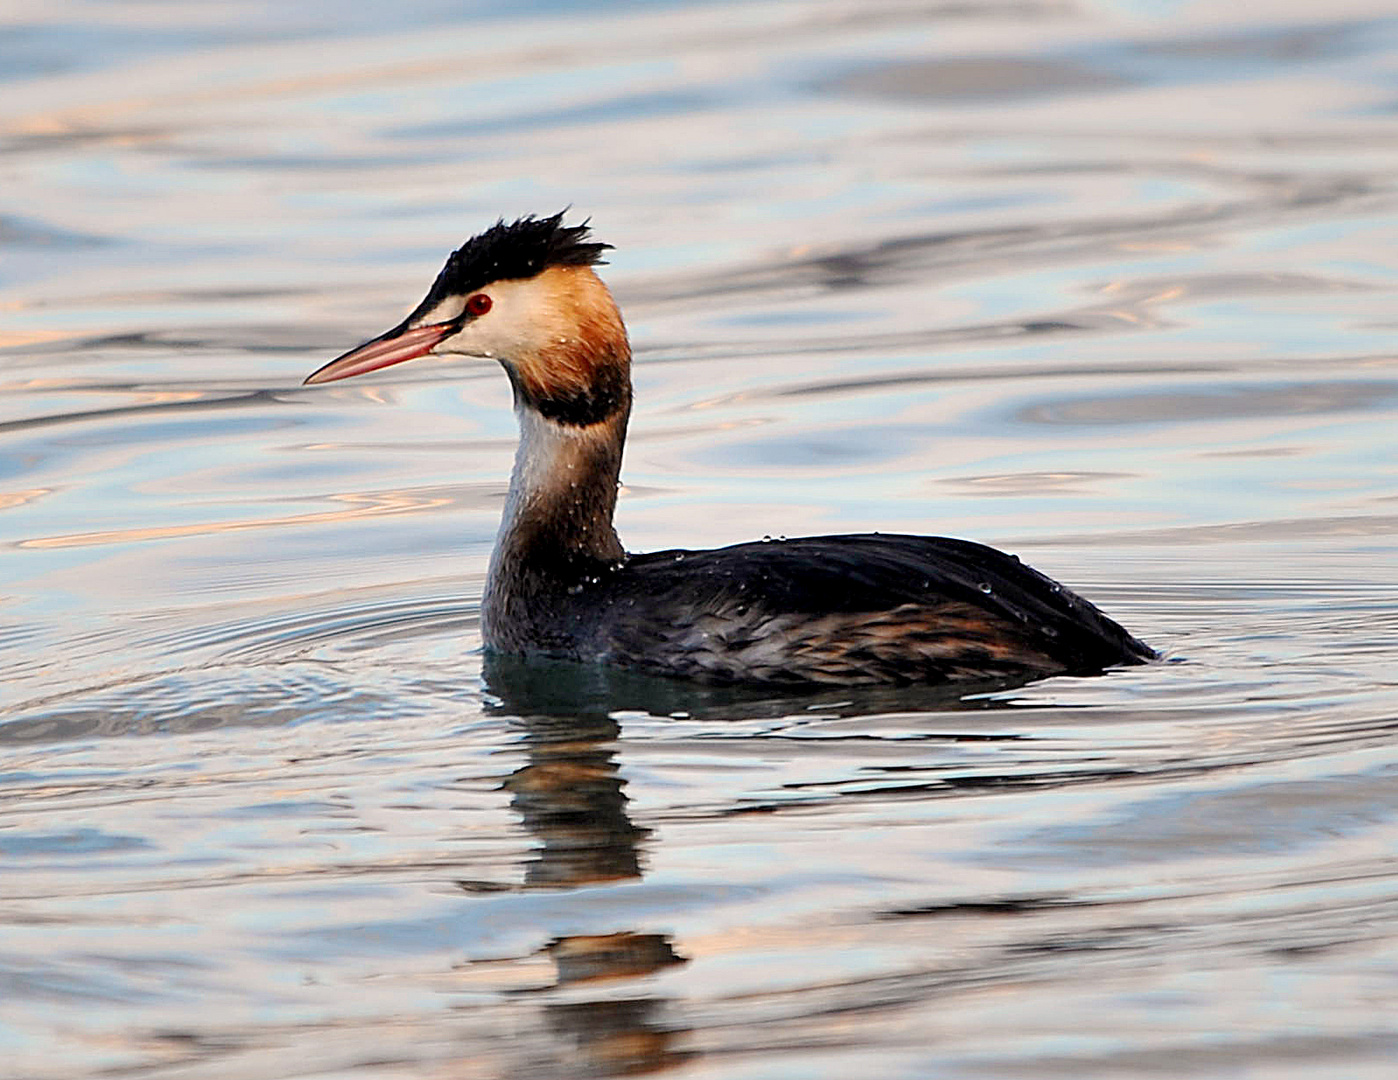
[391, 348]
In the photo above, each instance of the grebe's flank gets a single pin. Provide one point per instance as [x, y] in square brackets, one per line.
[859, 608]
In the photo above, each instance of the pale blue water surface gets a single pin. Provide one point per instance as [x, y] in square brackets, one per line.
[1111, 284]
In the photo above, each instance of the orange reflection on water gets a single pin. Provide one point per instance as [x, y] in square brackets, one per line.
[12, 338]
[10, 499]
[375, 504]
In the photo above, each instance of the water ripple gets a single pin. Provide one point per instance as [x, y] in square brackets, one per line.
[1108, 286]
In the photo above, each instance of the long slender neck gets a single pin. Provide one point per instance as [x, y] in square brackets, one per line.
[557, 525]
[562, 492]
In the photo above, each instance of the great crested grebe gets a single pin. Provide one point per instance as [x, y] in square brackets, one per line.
[861, 608]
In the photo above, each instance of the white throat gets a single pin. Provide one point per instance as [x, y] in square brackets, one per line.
[548, 452]
[562, 494]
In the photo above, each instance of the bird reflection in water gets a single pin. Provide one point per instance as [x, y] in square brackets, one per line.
[569, 796]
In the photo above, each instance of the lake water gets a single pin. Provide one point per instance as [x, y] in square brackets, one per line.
[1109, 284]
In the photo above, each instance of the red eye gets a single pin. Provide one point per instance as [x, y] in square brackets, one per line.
[478, 304]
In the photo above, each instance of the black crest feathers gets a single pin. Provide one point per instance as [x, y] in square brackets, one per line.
[520, 249]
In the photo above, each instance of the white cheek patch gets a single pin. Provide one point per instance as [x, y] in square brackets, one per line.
[522, 319]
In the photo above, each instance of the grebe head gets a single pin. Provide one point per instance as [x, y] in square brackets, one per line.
[524, 294]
